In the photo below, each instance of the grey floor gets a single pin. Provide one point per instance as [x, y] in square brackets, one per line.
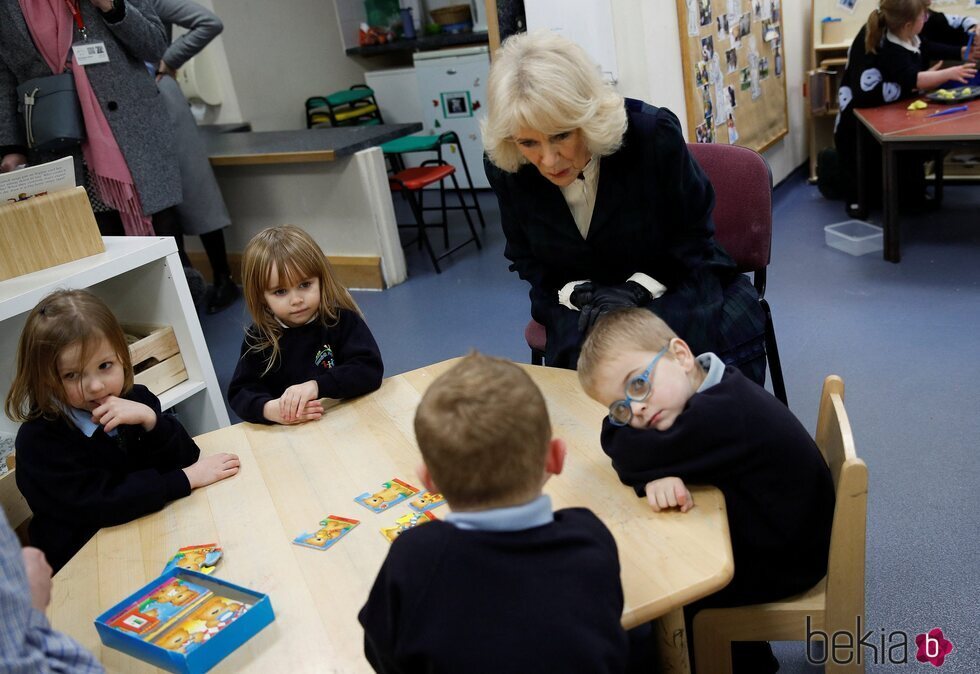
[903, 336]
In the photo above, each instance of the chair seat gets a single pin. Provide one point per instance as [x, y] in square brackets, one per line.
[419, 177]
[411, 144]
[349, 95]
[355, 112]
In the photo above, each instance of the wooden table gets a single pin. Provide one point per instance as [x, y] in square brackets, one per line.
[897, 129]
[332, 182]
[292, 476]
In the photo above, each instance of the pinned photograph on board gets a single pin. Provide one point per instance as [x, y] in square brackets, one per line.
[704, 133]
[774, 14]
[745, 79]
[777, 57]
[731, 60]
[770, 31]
[745, 25]
[763, 67]
[732, 102]
[693, 17]
[757, 9]
[706, 15]
[722, 22]
[709, 108]
[732, 131]
[707, 48]
[701, 73]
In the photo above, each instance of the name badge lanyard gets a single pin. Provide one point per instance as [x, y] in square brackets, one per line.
[86, 52]
[76, 14]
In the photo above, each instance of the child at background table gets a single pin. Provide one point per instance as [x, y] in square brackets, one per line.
[504, 584]
[308, 339]
[887, 62]
[94, 449]
[675, 419]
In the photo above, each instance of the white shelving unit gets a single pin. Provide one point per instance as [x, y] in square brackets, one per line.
[142, 281]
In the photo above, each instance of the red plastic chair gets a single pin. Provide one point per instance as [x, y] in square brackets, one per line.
[743, 226]
[410, 182]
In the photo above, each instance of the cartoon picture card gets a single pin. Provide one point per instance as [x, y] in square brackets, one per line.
[427, 501]
[201, 624]
[159, 606]
[406, 522]
[332, 529]
[391, 493]
[201, 558]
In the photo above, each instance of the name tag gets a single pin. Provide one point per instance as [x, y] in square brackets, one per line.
[89, 53]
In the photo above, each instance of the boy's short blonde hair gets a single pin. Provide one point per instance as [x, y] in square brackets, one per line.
[483, 430]
[616, 331]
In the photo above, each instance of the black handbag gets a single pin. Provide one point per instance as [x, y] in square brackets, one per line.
[51, 113]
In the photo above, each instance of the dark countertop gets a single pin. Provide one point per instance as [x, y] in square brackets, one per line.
[299, 145]
[227, 127]
[426, 43]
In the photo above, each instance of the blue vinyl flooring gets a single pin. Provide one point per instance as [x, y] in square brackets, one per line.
[904, 337]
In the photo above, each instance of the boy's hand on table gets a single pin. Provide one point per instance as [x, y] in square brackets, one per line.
[210, 469]
[669, 492]
[115, 412]
[312, 411]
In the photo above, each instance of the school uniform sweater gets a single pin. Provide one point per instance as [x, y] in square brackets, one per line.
[777, 486]
[544, 599]
[77, 484]
[342, 359]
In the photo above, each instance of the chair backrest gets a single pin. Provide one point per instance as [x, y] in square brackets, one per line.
[743, 201]
[13, 503]
[845, 568]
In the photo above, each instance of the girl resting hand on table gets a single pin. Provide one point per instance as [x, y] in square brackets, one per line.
[94, 449]
[308, 339]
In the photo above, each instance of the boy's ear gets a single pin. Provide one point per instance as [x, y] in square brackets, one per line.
[682, 353]
[426, 478]
[555, 458]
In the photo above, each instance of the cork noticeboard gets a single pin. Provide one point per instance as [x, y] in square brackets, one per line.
[734, 71]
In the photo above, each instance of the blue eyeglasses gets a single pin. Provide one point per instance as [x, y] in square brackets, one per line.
[637, 389]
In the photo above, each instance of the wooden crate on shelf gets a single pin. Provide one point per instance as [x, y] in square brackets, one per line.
[157, 362]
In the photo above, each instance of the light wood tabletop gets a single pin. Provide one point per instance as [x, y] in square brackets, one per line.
[292, 477]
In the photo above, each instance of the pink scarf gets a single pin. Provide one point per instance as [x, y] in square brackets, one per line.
[52, 27]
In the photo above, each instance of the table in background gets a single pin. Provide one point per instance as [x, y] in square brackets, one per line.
[898, 129]
[292, 477]
[332, 182]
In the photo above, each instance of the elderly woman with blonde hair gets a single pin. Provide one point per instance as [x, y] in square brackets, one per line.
[603, 207]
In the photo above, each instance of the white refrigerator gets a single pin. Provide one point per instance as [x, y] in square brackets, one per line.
[452, 96]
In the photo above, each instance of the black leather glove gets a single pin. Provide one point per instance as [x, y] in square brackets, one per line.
[582, 295]
[607, 298]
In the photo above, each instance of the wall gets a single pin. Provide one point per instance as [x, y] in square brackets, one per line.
[281, 53]
[649, 57]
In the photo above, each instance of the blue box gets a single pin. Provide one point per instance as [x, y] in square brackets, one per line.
[204, 656]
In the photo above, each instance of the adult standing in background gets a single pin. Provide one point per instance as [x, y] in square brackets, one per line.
[126, 161]
[603, 207]
[203, 212]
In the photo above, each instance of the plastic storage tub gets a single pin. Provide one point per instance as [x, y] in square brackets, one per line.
[854, 236]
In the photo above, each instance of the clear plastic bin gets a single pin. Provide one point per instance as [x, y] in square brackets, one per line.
[854, 236]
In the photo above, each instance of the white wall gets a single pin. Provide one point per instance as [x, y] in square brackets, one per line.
[649, 57]
[279, 54]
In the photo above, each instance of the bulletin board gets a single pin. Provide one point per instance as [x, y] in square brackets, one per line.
[734, 63]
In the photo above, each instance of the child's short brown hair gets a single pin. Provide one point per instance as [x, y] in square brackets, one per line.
[60, 320]
[483, 430]
[616, 331]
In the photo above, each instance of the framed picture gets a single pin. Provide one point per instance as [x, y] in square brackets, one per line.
[456, 104]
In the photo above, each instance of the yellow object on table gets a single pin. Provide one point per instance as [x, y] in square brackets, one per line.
[918, 105]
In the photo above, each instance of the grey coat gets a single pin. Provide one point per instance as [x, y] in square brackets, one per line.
[203, 209]
[125, 89]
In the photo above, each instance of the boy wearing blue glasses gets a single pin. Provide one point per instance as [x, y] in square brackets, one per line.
[676, 419]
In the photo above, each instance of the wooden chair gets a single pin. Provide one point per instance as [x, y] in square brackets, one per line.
[13, 503]
[837, 601]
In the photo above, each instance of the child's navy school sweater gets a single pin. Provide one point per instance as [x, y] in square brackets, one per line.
[342, 359]
[545, 599]
[778, 490]
[75, 484]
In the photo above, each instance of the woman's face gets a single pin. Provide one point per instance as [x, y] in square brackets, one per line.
[560, 158]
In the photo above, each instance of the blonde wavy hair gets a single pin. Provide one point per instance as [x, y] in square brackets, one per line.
[295, 256]
[548, 83]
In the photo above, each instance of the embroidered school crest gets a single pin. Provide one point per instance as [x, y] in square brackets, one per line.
[324, 357]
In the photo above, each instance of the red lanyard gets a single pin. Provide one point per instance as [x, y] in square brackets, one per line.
[76, 12]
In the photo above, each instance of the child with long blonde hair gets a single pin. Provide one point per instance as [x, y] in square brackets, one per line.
[94, 449]
[307, 340]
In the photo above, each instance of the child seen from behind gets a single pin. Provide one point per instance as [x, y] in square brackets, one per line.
[308, 339]
[504, 584]
[94, 449]
[676, 419]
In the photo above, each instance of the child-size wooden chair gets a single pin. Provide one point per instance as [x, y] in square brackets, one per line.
[13, 503]
[835, 603]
